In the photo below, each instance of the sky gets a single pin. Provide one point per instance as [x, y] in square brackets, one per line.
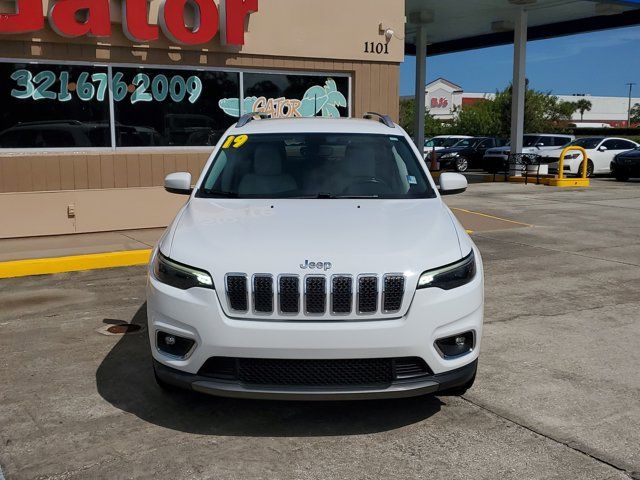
[597, 63]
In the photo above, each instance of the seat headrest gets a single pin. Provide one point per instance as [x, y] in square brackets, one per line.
[267, 160]
[360, 161]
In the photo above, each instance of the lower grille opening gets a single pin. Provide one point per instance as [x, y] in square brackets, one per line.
[314, 373]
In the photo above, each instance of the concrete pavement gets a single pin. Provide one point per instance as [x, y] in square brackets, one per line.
[557, 393]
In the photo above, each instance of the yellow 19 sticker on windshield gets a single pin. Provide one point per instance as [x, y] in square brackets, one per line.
[235, 142]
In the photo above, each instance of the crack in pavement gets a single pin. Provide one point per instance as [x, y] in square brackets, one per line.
[551, 315]
[556, 250]
[571, 445]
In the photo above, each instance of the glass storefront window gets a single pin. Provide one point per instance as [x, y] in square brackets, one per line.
[160, 107]
[48, 106]
[53, 106]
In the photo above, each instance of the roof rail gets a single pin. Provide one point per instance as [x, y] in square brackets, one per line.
[247, 117]
[386, 119]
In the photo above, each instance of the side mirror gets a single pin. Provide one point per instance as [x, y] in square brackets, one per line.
[602, 148]
[452, 183]
[179, 183]
[538, 145]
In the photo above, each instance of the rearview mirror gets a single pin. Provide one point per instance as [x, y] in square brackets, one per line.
[179, 183]
[452, 183]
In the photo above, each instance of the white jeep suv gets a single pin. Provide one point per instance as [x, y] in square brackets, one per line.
[315, 259]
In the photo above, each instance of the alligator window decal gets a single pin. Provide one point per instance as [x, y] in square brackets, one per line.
[317, 101]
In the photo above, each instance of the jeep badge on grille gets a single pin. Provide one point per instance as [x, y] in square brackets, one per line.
[315, 265]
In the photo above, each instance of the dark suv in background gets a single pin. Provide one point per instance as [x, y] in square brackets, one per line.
[467, 153]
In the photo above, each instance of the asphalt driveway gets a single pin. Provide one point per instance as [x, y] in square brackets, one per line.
[557, 393]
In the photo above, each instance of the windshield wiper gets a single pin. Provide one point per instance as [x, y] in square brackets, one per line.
[357, 196]
[219, 194]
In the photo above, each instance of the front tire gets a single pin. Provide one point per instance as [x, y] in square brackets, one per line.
[589, 169]
[462, 164]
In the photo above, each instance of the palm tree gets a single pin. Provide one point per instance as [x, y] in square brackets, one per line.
[583, 105]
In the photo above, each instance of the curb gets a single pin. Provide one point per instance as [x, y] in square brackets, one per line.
[75, 263]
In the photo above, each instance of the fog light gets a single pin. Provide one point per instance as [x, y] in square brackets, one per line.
[456, 345]
[174, 345]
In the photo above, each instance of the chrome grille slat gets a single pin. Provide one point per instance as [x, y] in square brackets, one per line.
[367, 293]
[263, 293]
[237, 292]
[341, 294]
[315, 294]
[318, 295]
[392, 292]
[289, 294]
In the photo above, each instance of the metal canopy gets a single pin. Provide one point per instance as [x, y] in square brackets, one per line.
[469, 24]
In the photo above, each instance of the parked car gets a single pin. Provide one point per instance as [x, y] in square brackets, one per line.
[467, 153]
[56, 134]
[496, 159]
[626, 165]
[441, 141]
[600, 153]
[315, 259]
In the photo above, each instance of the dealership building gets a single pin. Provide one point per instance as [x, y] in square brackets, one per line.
[443, 98]
[101, 99]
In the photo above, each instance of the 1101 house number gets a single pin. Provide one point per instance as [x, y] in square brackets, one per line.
[376, 47]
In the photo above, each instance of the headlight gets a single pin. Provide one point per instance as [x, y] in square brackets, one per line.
[178, 275]
[571, 156]
[450, 276]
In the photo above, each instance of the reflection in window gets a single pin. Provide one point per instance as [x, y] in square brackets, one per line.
[279, 95]
[53, 106]
[156, 107]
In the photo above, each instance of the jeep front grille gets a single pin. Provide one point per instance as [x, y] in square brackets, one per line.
[263, 293]
[315, 295]
[367, 294]
[393, 293]
[237, 291]
[289, 294]
[341, 294]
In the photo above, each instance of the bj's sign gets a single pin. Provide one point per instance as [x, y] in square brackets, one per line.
[76, 18]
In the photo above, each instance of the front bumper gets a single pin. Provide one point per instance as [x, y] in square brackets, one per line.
[630, 170]
[197, 314]
[398, 389]
[570, 165]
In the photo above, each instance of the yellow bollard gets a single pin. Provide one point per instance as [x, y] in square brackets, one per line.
[561, 181]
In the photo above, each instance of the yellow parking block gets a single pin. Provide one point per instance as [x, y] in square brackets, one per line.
[75, 263]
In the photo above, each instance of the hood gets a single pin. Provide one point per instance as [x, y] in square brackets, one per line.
[278, 236]
[630, 154]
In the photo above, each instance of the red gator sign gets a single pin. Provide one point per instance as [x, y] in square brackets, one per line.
[75, 18]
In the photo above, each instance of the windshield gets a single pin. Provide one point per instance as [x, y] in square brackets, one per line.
[442, 142]
[316, 165]
[587, 143]
[468, 142]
